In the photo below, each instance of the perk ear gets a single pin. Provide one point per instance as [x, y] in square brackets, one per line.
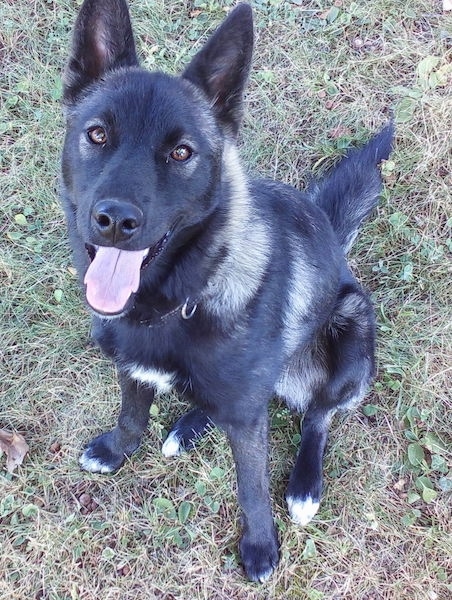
[221, 67]
[102, 41]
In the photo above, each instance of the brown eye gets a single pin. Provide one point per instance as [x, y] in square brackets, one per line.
[97, 135]
[181, 153]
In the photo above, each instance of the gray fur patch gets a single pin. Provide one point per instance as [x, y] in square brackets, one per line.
[353, 307]
[239, 276]
[299, 301]
[300, 380]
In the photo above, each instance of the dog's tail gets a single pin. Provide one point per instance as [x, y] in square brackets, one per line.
[350, 191]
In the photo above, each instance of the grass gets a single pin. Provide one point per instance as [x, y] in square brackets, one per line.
[325, 75]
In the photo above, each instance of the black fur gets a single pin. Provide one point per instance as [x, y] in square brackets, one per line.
[229, 290]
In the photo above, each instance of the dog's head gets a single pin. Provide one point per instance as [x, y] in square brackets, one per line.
[143, 151]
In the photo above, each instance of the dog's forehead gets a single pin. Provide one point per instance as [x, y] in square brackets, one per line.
[138, 99]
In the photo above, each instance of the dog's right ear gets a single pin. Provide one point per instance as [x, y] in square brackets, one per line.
[102, 41]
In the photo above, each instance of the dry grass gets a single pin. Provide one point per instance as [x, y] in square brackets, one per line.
[169, 529]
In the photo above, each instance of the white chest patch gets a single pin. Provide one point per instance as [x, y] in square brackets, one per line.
[161, 381]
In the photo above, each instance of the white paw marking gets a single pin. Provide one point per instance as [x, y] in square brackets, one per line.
[93, 465]
[161, 381]
[302, 511]
[265, 576]
[171, 446]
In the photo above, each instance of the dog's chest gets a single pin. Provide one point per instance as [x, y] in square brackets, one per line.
[160, 380]
[149, 356]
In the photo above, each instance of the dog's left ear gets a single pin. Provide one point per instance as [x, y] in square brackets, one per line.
[221, 67]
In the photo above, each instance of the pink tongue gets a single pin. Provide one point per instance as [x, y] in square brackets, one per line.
[112, 277]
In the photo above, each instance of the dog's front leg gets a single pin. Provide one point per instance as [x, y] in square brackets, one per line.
[107, 452]
[259, 546]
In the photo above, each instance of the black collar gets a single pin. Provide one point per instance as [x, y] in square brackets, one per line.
[186, 310]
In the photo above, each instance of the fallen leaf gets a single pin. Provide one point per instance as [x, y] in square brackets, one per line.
[339, 131]
[15, 447]
[400, 485]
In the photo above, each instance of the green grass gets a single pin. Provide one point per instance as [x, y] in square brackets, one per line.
[325, 75]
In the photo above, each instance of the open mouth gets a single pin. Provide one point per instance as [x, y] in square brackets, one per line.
[155, 250]
[114, 275]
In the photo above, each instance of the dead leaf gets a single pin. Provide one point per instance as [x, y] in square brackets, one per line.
[15, 447]
[399, 486]
[339, 131]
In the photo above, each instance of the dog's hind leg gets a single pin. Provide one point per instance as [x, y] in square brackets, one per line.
[305, 485]
[186, 432]
[107, 452]
[344, 354]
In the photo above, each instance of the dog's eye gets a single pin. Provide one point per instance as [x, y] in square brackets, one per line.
[181, 153]
[97, 135]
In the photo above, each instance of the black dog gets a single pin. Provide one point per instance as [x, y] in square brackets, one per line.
[227, 289]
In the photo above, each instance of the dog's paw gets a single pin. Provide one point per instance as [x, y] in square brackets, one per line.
[186, 432]
[302, 510]
[259, 559]
[172, 445]
[99, 457]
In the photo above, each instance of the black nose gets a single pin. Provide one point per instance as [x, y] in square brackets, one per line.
[115, 220]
